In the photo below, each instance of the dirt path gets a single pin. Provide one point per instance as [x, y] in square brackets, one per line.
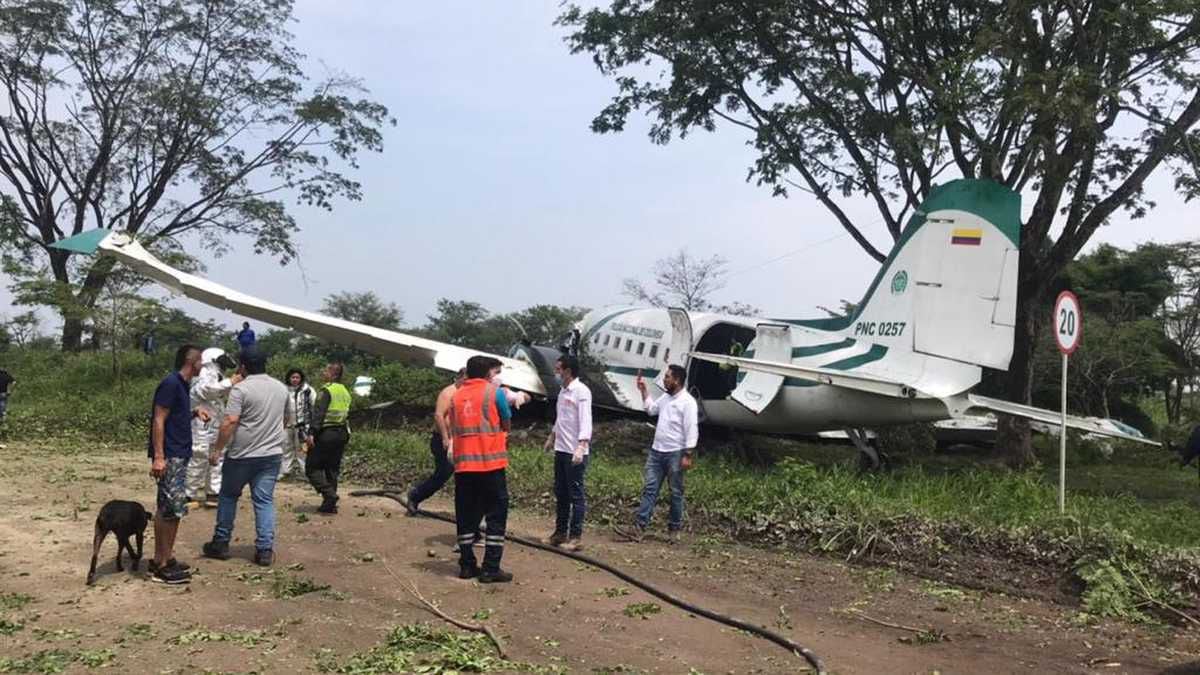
[558, 613]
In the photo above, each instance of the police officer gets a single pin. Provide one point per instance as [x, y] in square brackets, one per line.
[328, 434]
[479, 424]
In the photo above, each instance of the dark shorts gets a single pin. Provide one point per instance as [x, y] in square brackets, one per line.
[172, 490]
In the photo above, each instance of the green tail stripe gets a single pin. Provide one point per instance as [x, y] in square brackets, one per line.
[874, 354]
[814, 350]
[600, 324]
[797, 382]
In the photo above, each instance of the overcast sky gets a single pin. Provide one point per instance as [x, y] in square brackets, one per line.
[491, 187]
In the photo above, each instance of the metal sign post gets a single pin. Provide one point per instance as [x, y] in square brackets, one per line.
[1068, 329]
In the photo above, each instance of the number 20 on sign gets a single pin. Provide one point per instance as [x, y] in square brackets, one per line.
[1068, 329]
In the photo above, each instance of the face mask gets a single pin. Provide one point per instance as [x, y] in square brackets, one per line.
[558, 378]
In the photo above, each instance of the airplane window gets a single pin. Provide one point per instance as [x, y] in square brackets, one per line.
[596, 339]
[653, 351]
[641, 348]
[606, 337]
[628, 344]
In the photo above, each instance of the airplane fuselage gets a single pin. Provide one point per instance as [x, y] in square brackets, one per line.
[616, 343]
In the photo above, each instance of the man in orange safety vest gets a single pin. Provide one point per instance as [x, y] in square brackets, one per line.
[479, 423]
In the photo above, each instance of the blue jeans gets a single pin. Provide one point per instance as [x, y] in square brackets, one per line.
[443, 470]
[260, 474]
[569, 494]
[658, 466]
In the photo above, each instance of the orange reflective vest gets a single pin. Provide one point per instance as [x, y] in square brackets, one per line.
[480, 443]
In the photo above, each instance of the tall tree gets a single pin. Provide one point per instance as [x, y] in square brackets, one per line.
[1074, 104]
[458, 322]
[684, 281]
[163, 119]
[1126, 352]
[469, 324]
[23, 328]
[543, 324]
[366, 307]
[1181, 325]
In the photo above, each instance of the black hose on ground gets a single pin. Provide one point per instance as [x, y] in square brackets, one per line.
[732, 622]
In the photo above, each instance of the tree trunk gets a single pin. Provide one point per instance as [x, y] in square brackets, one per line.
[72, 334]
[75, 308]
[1174, 396]
[1013, 435]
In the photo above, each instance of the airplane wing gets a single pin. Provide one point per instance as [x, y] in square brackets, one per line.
[390, 344]
[962, 405]
[978, 403]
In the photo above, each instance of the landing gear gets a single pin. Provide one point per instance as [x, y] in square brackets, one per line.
[869, 458]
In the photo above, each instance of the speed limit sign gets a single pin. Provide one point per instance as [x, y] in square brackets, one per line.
[1068, 322]
[1068, 329]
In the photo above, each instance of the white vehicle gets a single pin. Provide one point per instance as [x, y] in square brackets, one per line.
[942, 307]
[362, 385]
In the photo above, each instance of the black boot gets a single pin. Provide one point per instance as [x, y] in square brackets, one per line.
[328, 505]
[496, 576]
[216, 549]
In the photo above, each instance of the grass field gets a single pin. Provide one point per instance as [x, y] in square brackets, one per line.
[1133, 511]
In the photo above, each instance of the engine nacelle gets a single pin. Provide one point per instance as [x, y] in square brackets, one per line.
[542, 358]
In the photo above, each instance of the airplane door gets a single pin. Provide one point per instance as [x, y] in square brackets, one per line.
[756, 389]
[680, 345]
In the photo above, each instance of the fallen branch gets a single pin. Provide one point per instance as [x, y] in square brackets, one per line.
[923, 635]
[1150, 599]
[873, 620]
[412, 589]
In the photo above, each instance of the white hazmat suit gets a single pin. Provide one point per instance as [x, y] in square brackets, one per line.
[303, 398]
[208, 391]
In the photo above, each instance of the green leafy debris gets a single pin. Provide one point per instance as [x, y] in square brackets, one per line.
[642, 610]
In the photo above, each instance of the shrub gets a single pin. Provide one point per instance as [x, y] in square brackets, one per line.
[407, 385]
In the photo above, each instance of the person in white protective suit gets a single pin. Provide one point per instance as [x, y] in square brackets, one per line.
[303, 398]
[208, 391]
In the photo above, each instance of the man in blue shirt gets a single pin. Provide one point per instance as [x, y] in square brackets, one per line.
[170, 449]
[245, 336]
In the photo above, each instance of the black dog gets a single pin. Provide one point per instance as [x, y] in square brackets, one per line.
[122, 519]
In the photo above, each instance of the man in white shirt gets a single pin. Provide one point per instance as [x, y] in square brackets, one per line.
[570, 440]
[675, 440]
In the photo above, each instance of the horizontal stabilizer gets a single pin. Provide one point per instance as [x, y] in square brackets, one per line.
[978, 404]
[837, 378]
[387, 343]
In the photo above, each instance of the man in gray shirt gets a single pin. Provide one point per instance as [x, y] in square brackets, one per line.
[255, 431]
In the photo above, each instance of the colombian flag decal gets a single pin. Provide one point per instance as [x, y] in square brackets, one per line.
[966, 237]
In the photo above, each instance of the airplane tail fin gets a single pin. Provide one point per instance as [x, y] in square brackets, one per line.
[949, 287]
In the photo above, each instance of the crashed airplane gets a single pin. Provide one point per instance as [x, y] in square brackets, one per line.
[941, 308]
